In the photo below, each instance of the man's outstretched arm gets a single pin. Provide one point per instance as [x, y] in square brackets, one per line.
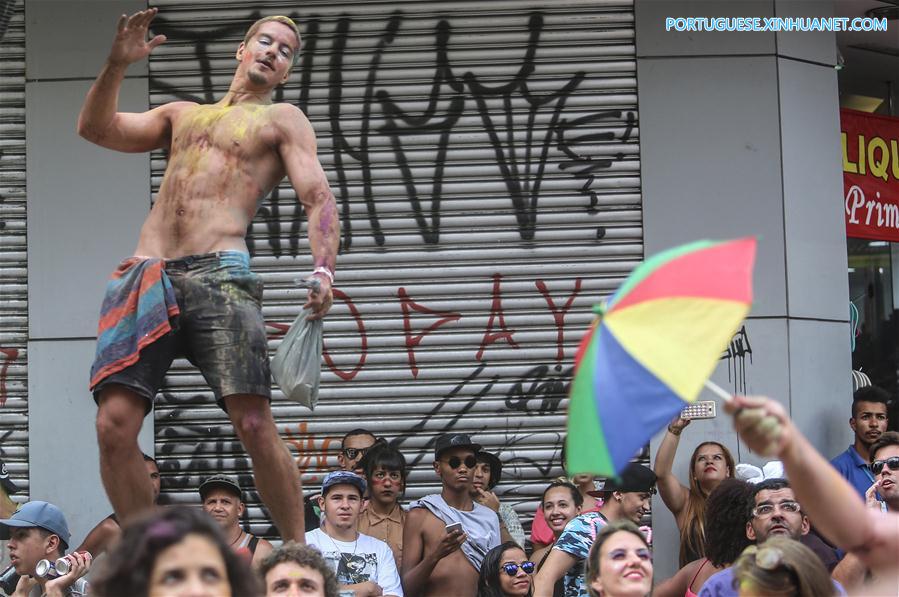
[828, 499]
[100, 121]
[298, 149]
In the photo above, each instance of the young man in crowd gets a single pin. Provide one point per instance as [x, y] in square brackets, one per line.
[487, 475]
[774, 511]
[108, 531]
[865, 533]
[868, 421]
[627, 498]
[39, 531]
[885, 466]
[364, 564]
[439, 559]
[295, 570]
[385, 472]
[353, 447]
[222, 499]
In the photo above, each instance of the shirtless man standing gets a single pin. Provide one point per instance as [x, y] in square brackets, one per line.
[437, 562]
[191, 264]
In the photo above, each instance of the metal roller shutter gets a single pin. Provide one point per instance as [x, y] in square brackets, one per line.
[13, 259]
[485, 160]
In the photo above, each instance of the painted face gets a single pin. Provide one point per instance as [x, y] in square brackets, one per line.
[481, 476]
[889, 477]
[224, 507]
[518, 584]
[710, 464]
[558, 509]
[625, 567]
[634, 505]
[354, 448]
[386, 486]
[27, 546]
[341, 506]
[153, 471]
[870, 421]
[268, 56]
[193, 567]
[456, 468]
[776, 513]
[289, 579]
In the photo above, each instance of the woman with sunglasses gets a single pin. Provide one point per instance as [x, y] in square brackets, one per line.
[619, 563]
[506, 572]
[781, 566]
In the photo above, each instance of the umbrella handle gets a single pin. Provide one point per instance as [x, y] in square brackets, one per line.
[718, 391]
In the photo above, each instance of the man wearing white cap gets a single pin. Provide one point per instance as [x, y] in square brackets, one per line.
[38, 531]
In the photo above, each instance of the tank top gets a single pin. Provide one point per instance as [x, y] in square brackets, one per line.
[690, 592]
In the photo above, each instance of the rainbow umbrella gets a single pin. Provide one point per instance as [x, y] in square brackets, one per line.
[651, 348]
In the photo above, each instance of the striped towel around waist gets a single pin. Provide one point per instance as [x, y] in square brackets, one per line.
[136, 311]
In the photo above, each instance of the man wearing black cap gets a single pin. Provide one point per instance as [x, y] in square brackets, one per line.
[364, 565]
[38, 531]
[223, 500]
[625, 498]
[439, 559]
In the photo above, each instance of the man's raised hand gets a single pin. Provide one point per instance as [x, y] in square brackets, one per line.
[130, 43]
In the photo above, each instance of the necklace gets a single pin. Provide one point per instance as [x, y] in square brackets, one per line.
[355, 578]
[239, 535]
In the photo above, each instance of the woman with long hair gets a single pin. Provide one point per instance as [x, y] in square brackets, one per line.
[710, 464]
[784, 567]
[561, 502]
[506, 572]
[619, 563]
[725, 539]
[175, 551]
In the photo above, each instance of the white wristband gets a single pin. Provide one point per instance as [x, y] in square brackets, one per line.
[324, 270]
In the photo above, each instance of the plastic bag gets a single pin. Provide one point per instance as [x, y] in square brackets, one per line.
[296, 365]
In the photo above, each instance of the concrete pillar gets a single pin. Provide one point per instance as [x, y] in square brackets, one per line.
[85, 207]
[739, 135]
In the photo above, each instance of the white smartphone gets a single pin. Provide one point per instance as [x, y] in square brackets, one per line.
[452, 528]
[703, 409]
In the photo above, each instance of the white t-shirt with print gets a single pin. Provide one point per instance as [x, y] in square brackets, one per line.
[365, 559]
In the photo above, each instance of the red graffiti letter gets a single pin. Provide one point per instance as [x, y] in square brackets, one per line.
[496, 312]
[346, 376]
[559, 314]
[11, 355]
[407, 305]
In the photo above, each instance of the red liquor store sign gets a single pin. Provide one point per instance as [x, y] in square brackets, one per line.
[870, 175]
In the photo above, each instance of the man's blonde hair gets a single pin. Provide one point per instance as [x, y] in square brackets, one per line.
[280, 19]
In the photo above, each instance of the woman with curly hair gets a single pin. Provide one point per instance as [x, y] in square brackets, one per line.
[725, 539]
[175, 551]
[506, 572]
[710, 464]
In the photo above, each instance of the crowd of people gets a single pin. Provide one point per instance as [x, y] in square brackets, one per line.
[813, 529]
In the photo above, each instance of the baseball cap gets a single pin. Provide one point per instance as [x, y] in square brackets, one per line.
[38, 514]
[634, 478]
[226, 482]
[5, 481]
[454, 440]
[343, 478]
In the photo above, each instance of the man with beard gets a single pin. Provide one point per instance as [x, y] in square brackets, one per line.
[868, 422]
[627, 498]
[774, 511]
[439, 559]
[222, 499]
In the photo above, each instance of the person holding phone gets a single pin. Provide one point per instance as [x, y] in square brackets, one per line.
[447, 535]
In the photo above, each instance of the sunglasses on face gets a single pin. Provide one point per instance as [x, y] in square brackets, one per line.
[455, 462]
[353, 453]
[892, 462]
[511, 568]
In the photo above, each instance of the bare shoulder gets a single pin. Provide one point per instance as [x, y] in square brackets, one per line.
[292, 122]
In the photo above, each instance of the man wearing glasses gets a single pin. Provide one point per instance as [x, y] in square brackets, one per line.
[438, 558]
[774, 512]
[885, 466]
[353, 447]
